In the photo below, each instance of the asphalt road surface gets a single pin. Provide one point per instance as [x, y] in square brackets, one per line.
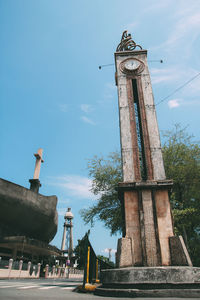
[31, 289]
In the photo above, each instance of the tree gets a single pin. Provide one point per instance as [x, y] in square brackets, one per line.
[105, 260]
[106, 173]
[182, 164]
[80, 250]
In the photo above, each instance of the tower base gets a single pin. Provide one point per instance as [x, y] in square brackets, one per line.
[148, 237]
[178, 252]
[181, 282]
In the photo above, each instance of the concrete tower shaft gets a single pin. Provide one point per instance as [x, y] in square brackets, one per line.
[144, 190]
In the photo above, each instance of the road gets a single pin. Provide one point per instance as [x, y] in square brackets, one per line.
[46, 289]
[38, 289]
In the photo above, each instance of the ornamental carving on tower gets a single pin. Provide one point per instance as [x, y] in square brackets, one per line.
[127, 44]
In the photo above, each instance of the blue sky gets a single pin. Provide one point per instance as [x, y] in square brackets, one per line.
[53, 96]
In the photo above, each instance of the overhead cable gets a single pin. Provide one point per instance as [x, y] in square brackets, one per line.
[179, 88]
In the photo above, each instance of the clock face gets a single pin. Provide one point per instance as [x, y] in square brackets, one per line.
[131, 64]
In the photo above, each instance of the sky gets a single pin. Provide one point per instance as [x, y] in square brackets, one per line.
[53, 95]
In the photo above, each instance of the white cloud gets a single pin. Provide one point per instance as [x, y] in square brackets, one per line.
[157, 6]
[194, 86]
[184, 27]
[184, 83]
[180, 77]
[63, 201]
[87, 120]
[74, 185]
[195, 102]
[109, 90]
[183, 30]
[86, 108]
[107, 250]
[131, 26]
[164, 75]
[63, 107]
[188, 25]
[61, 211]
[161, 78]
[174, 103]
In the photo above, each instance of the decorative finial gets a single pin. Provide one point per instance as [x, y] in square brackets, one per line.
[127, 44]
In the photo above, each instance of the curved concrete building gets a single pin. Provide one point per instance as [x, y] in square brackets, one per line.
[28, 221]
[24, 212]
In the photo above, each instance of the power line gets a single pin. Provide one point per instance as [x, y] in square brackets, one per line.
[160, 61]
[176, 90]
[179, 88]
[102, 66]
[108, 65]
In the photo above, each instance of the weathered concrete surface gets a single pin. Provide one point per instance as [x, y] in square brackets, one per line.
[149, 239]
[151, 275]
[132, 221]
[26, 213]
[127, 148]
[164, 224]
[29, 246]
[179, 292]
[15, 274]
[179, 253]
[35, 185]
[124, 253]
[148, 219]
[151, 282]
[38, 162]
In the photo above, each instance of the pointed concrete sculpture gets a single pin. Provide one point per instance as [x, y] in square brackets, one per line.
[35, 182]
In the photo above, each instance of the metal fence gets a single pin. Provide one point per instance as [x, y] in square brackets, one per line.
[18, 269]
[93, 265]
[4, 264]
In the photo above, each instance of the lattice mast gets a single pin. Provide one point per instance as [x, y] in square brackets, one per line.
[67, 240]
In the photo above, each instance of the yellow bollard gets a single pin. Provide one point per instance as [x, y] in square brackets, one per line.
[97, 266]
[88, 264]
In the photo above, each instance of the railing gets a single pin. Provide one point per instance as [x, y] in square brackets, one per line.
[18, 269]
[93, 265]
[63, 272]
[3, 264]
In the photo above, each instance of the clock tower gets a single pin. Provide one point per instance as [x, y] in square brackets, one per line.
[148, 238]
[151, 261]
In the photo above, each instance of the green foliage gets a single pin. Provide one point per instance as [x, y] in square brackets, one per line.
[106, 174]
[80, 250]
[106, 260]
[182, 164]
[103, 258]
